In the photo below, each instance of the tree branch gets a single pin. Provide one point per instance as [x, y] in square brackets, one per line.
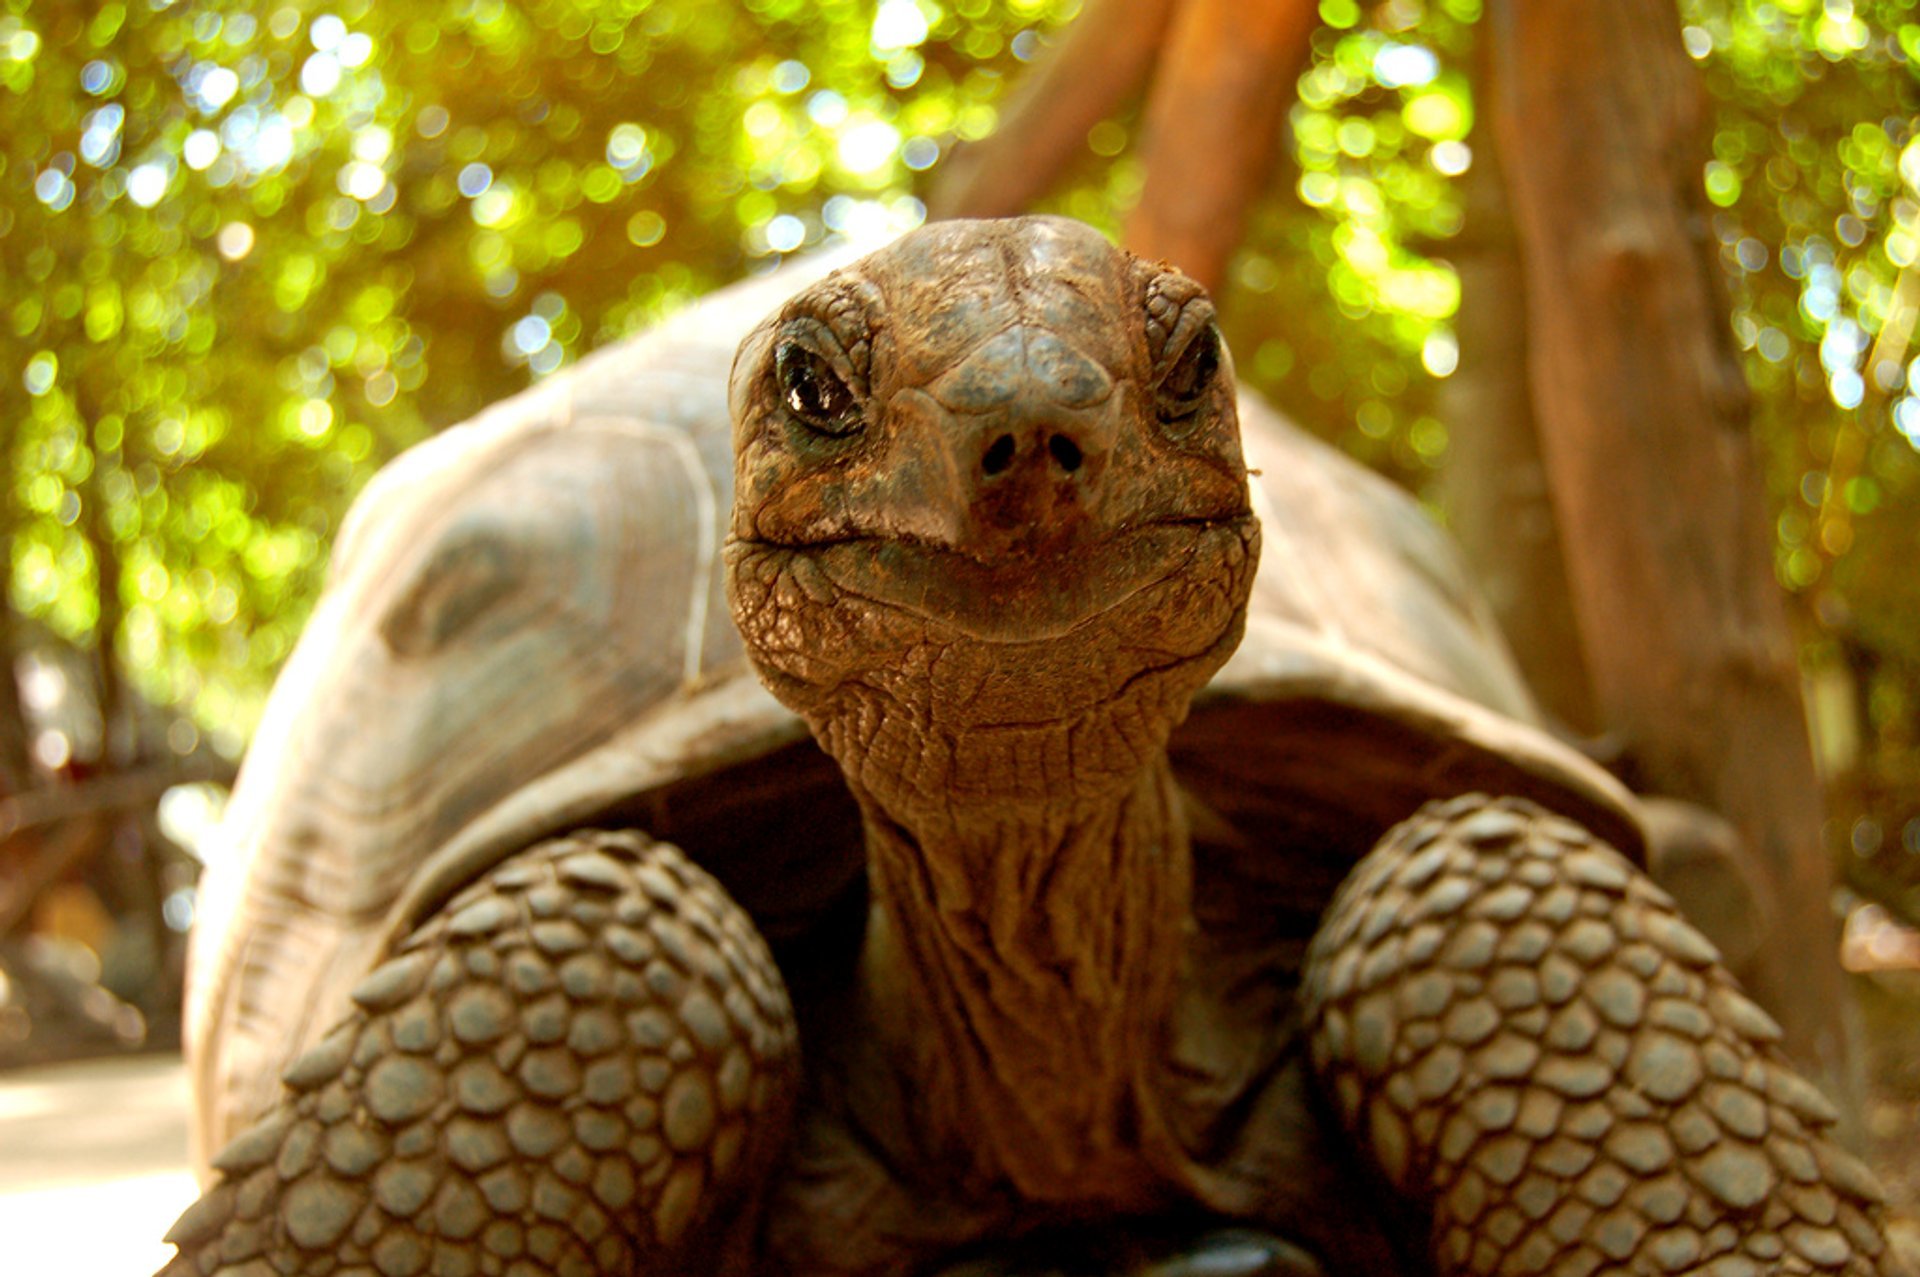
[1213, 127]
[75, 842]
[1644, 431]
[1102, 59]
[55, 803]
[16, 761]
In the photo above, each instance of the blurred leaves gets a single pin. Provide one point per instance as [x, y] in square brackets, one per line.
[1815, 170]
[1343, 304]
[254, 249]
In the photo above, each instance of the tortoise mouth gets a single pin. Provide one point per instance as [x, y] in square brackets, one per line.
[1032, 597]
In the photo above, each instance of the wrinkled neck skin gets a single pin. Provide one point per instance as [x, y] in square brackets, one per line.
[1025, 941]
[1029, 867]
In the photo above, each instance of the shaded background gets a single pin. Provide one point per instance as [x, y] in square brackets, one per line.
[249, 251]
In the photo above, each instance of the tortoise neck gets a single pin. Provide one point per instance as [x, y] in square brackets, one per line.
[1028, 956]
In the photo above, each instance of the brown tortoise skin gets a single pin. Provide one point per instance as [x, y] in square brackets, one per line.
[550, 1076]
[1523, 1032]
[587, 1061]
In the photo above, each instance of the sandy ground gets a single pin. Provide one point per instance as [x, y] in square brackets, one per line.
[93, 1166]
[1889, 1005]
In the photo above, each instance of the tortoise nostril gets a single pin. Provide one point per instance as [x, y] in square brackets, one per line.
[1066, 452]
[999, 456]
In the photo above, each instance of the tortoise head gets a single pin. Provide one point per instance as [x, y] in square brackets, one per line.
[988, 488]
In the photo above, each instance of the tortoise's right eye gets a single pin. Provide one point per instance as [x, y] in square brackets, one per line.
[1186, 384]
[815, 393]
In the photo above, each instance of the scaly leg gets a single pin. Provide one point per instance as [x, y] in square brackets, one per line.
[580, 1066]
[1531, 1043]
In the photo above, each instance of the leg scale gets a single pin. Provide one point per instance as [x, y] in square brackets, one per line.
[1529, 1040]
[579, 1066]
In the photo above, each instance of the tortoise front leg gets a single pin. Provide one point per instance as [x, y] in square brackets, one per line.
[580, 1066]
[1531, 1043]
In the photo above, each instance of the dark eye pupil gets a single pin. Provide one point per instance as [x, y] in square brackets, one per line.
[814, 391]
[1194, 372]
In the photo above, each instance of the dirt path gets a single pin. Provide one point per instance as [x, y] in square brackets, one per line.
[93, 1166]
[1889, 1003]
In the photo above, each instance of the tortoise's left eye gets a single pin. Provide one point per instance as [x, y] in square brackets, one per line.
[1187, 382]
[815, 393]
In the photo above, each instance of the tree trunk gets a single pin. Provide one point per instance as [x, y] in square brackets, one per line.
[113, 794]
[16, 767]
[1212, 136]
[1223, 74]
[16, 758]
[1644, 431]
[119, 735]
[1494, 488]
[1101, 61]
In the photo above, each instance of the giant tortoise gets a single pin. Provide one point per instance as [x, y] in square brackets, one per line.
[1124, 849]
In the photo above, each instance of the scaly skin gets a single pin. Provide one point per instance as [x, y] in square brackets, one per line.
[578, 1067]
[960, 490]
[1532, 1043]
[992, 532]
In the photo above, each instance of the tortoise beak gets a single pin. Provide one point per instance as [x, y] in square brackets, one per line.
[1025, 427]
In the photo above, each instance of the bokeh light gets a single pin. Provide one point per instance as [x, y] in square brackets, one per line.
[253, 251]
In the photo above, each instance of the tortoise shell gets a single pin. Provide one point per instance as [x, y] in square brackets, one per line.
[524, 630]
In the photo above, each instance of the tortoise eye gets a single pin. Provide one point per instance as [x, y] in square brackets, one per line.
[814, 392]
[1191, 377]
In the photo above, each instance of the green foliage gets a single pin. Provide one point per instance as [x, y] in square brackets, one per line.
[256, 248]
[1815, 172]
[1342, 303]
